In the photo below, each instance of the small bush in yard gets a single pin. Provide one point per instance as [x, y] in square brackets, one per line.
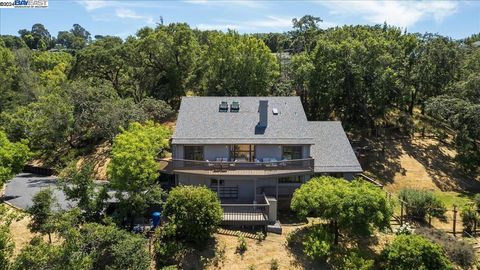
[354, 261]
[242, 244]
[469, 217]
[459, 252]
[274, 264]
[260, 236]
[408, 252]
[477, 200]
[196, 211]
[317, 244]
[404, 229]
[167, 248]
[421, 203]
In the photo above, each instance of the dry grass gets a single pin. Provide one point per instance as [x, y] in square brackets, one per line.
[100, 160]
[422, 163]
[20, 233]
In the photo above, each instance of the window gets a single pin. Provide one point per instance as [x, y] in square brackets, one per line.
[290, 180]
[292, 152]
[242, 152]
[193, 153]
[215, 182]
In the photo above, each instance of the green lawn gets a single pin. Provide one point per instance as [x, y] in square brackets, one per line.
[450, 198]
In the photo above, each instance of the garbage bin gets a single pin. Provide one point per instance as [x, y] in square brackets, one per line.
[156, 219]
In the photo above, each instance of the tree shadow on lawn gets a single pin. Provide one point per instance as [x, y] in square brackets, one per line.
[200, 257]
[440, 166]
[363, 245]
[295, 246]
[384, 159]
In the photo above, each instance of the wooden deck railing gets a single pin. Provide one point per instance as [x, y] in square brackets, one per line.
[247, 214]
[185, 164]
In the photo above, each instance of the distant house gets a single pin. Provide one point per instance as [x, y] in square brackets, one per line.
[254, 152]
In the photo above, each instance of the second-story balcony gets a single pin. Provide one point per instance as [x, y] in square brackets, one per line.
[271, 167]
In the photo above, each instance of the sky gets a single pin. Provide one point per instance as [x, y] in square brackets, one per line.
[457, 19]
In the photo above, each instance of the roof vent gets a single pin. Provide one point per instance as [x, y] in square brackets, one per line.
[275, 111]
[235, 106]
[223, 107]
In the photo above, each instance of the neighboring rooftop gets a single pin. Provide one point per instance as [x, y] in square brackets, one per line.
[201, 122]
[332, 150]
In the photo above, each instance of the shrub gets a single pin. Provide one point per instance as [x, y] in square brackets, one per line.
[404, 229]
[469, 217]
[6, 247]
[477, 200]
[242, 245]
[317, 244]
[166, 248]
[260, 236]
[274, 264]
[38, 255]
[354, 261]
[421, 203]
[459, 252]
[408, 252]
[196, 211]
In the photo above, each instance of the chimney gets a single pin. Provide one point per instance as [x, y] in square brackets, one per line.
[263, 112]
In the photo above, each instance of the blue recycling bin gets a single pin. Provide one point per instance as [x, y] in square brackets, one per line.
[156, 219]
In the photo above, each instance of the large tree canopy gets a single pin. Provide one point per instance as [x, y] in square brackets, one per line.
[236, 65]
[12, 158]
[133, 170]
[355, 207]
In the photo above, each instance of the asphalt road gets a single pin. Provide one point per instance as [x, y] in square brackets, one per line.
[21, 189]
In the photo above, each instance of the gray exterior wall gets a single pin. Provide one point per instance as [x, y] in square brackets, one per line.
[245, 184]
[213, 151]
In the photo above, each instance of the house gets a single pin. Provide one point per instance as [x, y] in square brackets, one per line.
[254, 152]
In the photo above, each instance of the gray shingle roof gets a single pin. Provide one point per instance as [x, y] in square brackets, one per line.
[332, 150]
[200, 122]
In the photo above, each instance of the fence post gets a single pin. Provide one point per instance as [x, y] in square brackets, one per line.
[454, 220]
[474, 227]
[401, 213]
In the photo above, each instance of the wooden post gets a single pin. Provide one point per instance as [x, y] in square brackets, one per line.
[454, 220]
[474, 227]
[401, 213]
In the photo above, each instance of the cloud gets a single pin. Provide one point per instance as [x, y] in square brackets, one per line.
[266, 24]
[208, 26]
[399, 13]
[92, 5]
[245, 3]
[125, 13]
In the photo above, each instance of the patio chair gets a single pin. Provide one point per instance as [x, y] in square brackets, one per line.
[223, 107]
[235, 106]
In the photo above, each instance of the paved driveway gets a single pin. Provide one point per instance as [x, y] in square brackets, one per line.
[21, 189]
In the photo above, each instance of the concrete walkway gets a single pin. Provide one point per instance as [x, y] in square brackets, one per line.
[21, 189]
